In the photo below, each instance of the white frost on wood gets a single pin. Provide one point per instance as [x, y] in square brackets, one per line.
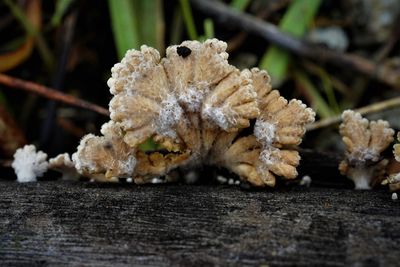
[29, 164]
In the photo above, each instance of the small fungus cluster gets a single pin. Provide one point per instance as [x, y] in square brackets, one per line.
[364, 141]
[200, 110]
[29, 164]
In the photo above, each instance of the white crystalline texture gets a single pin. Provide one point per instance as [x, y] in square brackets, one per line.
[232, 102]
[264, 132]
[169, 116]
[29, 164]
[217, 115]
[192, 98]
[266, 156]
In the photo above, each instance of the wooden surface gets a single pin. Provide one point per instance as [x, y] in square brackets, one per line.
[77, 224]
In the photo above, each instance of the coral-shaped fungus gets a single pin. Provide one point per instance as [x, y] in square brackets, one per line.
[393, 180]
[200, 111]
[364, 143]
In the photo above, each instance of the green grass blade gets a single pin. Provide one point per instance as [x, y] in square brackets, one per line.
[41, 44]
[295, 22]
[329, 90]
[61, 8]
[176, 27]
[240, 4]
[152, 28]
[317, 101]
[124, 25]
[188, 18]
[208, 29]
[137, 22]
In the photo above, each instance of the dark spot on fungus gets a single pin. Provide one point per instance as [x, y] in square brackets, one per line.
[183, 51]
[108, 146]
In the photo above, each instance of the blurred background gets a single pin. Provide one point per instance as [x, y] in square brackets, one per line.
[339, 54]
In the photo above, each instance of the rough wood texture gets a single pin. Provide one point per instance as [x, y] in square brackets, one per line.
[60, 223]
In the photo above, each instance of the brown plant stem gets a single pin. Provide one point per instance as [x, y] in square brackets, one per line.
[50, 93]
[271, 33]
[235, 42]
[11, 136]
[387, 104]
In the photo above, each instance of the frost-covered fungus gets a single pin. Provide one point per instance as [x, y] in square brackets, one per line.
[393, 180]
[364, 143]
[240, 156]
[151, 96]
[396, 149]
[105, 158]
[194, 68]
[281, 123]
[258, 158]
[279, 128]
[232, 103]
[143, 102]
[29, 164]
[199, 110]
[63, 164]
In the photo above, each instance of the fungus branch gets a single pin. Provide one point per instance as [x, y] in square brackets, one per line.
[364, 141]
[393, 180]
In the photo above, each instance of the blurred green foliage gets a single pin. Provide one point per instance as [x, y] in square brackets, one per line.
[295, 21]
[136, 22]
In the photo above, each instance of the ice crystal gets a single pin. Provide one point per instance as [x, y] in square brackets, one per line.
[29, 164]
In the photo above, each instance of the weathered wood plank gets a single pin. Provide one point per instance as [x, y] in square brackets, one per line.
[61, 223]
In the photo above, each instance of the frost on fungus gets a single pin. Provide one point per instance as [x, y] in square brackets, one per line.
[107, 157]
[29, 164]
[198, 109]
[394, 179]
[364, 143]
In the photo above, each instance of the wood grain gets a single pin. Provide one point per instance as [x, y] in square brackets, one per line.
[85, 224]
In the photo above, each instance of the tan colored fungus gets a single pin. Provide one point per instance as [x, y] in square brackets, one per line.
[364, 143]
[63, 164]
[393, 180]
[199, 110]
[107, 157]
